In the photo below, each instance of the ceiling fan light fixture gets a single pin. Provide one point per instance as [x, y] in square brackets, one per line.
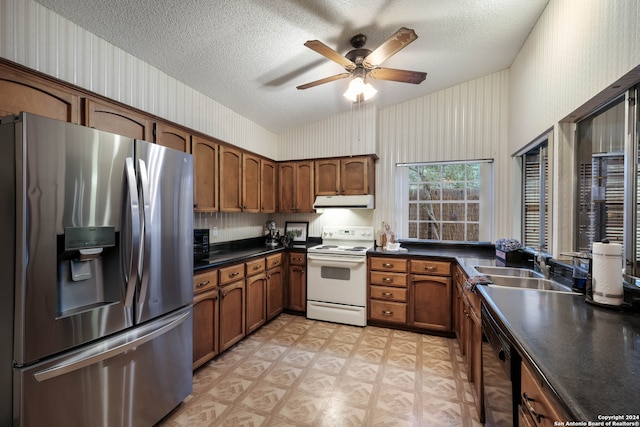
[359, 89]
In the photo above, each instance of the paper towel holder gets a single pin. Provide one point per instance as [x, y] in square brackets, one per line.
[589, 289]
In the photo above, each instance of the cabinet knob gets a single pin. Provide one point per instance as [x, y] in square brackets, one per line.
[387, 313]
[387, 279]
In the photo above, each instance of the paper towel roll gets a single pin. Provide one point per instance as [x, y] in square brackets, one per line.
[607, 273]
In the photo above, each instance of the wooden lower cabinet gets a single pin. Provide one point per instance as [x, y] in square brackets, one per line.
[256, 300]
[430, 302]
[538, 407]
[275, 286]
[296, 295]
[205, 317]
[232, 313]
[388, 290]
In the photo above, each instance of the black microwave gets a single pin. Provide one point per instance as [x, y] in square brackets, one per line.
[200, 243]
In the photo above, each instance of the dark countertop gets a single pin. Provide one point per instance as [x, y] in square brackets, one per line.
[589, 355]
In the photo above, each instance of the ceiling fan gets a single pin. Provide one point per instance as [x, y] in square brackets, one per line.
[361, 63]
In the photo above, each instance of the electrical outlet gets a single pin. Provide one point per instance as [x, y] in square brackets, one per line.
[215, 231]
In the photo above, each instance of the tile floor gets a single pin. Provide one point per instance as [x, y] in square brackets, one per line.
[299, 372]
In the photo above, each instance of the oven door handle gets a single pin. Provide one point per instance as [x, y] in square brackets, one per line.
[338, 261]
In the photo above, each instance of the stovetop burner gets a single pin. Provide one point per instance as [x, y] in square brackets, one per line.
[327, 247]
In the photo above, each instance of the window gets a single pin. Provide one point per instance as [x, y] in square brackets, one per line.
[536, 197]
[445, 201]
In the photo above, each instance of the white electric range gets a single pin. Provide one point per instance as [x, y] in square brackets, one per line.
[337, 275]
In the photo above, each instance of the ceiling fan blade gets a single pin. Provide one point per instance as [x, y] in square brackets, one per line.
[391, 46]
[402, 76]
[325, 80]
[327, 52]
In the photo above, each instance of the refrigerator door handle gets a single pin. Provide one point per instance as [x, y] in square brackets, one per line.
[83, 361]
[145, 258]
[134, 208]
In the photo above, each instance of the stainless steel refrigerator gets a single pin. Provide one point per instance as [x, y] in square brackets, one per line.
[96, 266]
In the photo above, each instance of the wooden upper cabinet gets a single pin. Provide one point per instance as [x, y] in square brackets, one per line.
[22, 92]
[357, 175]
[111, 118]
[205, 170]
[267, 186]
[295, 185]
[327, 177]
[172, 137]
[304, 186]
[352, 175]
[230, 179]
[251, 174]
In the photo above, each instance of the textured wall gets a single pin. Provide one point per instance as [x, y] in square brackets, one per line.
[577, 49]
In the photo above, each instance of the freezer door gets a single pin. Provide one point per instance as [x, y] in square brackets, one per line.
[132, 379]
[70, 195]
[165, 181]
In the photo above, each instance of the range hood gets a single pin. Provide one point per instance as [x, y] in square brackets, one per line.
[364, 201]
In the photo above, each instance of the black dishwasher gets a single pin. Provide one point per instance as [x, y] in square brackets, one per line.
[500, 374]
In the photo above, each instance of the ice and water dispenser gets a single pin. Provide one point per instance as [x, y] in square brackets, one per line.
[87, 259]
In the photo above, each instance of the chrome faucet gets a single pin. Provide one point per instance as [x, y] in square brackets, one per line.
[542, 264]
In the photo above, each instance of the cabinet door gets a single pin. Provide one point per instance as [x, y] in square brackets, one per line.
[256, 300]
[267, 186]
[431, 302]
[172, 137]
[232, 314]
[286, 187]
[327, 177]
[205, 170]
[275, 292]
[21, 92]
[205, 327]
[304, 196]
[297, 288]
[356, 175]
[111, 118]
[230, 179]
[251, 173]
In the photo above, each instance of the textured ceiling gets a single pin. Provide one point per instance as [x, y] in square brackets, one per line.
[249, 55]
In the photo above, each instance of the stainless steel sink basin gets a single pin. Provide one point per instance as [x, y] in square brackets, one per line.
[527, 283]
[506, 271]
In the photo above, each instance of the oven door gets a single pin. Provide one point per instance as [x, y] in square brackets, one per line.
[340, 279]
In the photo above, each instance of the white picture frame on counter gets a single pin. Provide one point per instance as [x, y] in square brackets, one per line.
[298, 232]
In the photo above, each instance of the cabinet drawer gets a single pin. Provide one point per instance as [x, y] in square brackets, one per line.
[389, 264]
[274, 260]
[388, 311]
[231, 273]
[388, 293]
[440, 268]
[388, 279]
[255, 266]
[205, 281]
[536, 400]
[297, 259]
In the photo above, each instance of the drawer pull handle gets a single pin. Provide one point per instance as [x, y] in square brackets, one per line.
[234, 274]
[387, 279]
[387, 313]
[387, 265]
[387, 294]
[530, 408]
[205, 283]
[257, 267]
[429, 268]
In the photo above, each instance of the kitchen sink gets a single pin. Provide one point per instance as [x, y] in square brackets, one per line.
[538, 283]
[507, 271]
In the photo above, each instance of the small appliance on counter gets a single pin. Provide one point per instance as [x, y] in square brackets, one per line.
[273, 234]
[200, 244]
